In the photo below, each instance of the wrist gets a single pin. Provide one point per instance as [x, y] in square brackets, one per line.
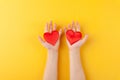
[74, 51]
[52, 52]
[52, 55]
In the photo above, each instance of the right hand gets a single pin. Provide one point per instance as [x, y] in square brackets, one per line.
[78, 44]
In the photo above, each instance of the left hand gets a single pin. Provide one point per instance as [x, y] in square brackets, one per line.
[49, 28]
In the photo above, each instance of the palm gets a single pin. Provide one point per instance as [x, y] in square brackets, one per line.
[50, 28]
[78, 44]
[49, 46]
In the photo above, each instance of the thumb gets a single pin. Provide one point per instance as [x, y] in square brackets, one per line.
[41, 40]
[84, 39]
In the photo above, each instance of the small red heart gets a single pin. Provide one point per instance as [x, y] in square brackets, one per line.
[73, 36]
[51, 37]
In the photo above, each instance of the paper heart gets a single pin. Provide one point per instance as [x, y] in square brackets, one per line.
[73, 36]
[51, 37]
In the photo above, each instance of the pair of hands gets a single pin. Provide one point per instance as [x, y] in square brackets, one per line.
[74, 26]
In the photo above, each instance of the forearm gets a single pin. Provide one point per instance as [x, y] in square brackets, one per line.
[51, 66]
[76, 70]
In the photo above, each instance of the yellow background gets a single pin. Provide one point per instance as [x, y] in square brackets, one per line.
[22, 57]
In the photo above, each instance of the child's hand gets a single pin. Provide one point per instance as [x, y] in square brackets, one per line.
[78, 44]
[49, 28]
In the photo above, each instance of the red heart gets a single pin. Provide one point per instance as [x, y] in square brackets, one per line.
[73, 36]
[51, 37]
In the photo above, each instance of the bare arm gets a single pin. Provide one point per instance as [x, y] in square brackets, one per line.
[50, 72]
[76, 70]
[51, 66]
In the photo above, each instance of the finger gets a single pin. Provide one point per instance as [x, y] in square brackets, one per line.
[69, 26]
[50, 26]
[54, 27]
[68, 42]
[46, 28]
[78, 26]
[41, 40]
[60, 32]
[65, 30]
[73, 26]
[84, 39]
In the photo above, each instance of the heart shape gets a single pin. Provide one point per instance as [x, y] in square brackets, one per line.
[51, 37]
[73, 36]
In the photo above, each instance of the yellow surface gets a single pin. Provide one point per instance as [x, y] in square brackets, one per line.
[22, 57]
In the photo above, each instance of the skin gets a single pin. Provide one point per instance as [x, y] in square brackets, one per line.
[76, 70]
[50, 72]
